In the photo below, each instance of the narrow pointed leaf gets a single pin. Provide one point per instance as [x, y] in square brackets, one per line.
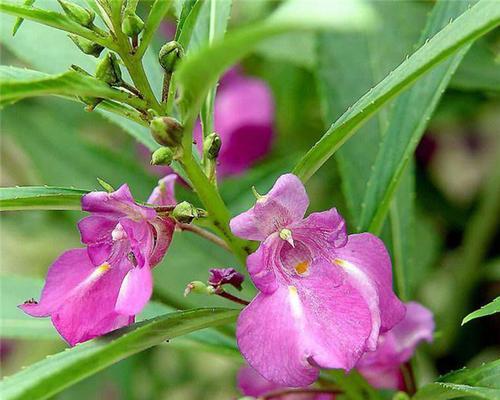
[471, 25]
[408, 118]
[479, 383]
[488, 309]
[48, 377]
[19, 83]
[40, 198]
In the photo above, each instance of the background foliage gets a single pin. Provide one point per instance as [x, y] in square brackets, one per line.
[439, 140]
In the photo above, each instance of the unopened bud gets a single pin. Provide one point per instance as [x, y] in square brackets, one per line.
[185, 212]
[132, 25]
[166, 131]
[87, 46]
[78, 14]
[170, 54]
[162, 156]
[108, 70]
[401, 396]
[198, 287]
[211, 146]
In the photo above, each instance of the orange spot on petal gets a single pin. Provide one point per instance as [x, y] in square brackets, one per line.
[301, 268]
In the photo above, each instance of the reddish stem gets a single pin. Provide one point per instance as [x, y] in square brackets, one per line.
[229, 296]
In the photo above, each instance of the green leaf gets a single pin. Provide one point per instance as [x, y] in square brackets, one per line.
[478, 70]
[187, 21]
[480, 383]
[15, 324]
[48, 377]
[40, 198]
[54, 20]
[158, 12]
[55, 59]
[408, 119]
[349, 64]
[19, 21]
[488, 309]
[19, 83]
[474, 23]
[199, 72]
[80, 158]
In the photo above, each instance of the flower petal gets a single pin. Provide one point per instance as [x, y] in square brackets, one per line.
[96, 229]
[251, 383]
[288, 334]
[141, 238]
[164, 231]
[261, 264]
[270, 340]
[367, 253]
[117, 204]
[135, 291]
[80, 298]
[381, 367]
[322, 231]
[68, 271]
[164, 193]
[285, 204]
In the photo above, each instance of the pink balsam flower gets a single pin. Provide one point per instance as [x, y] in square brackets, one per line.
[324, 296]
[381, 368]
[244, 119]
[250, 383]
[90, 292]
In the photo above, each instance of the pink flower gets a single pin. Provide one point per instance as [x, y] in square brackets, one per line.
[92, 291]
[381, 368]
[252, 384]
[243, 118]
[324, 297]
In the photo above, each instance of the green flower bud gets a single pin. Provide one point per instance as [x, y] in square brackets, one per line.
[169, 55]
[132, 25]
[401, 396]
[108, 70]
[166, 131]
[162, 156]
[78, 14]
[198, 287]
[211, 146]
[185, 212]
[87, 46]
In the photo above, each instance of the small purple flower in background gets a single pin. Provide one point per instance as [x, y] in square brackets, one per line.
[381, 368]
[324, 296]
[218, 277]
[89, 292]
[250, 383]
[243, 118]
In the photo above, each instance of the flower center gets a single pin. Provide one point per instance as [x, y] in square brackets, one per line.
[118, 233]
[296, 259]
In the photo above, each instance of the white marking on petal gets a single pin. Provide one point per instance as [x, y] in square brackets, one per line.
[295, 304]
[365, 285]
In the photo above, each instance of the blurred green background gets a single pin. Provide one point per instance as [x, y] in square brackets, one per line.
[454, 270]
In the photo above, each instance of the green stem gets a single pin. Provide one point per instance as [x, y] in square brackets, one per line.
[117, 108]
[217, 210]
[133, 62]
[138, 75]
